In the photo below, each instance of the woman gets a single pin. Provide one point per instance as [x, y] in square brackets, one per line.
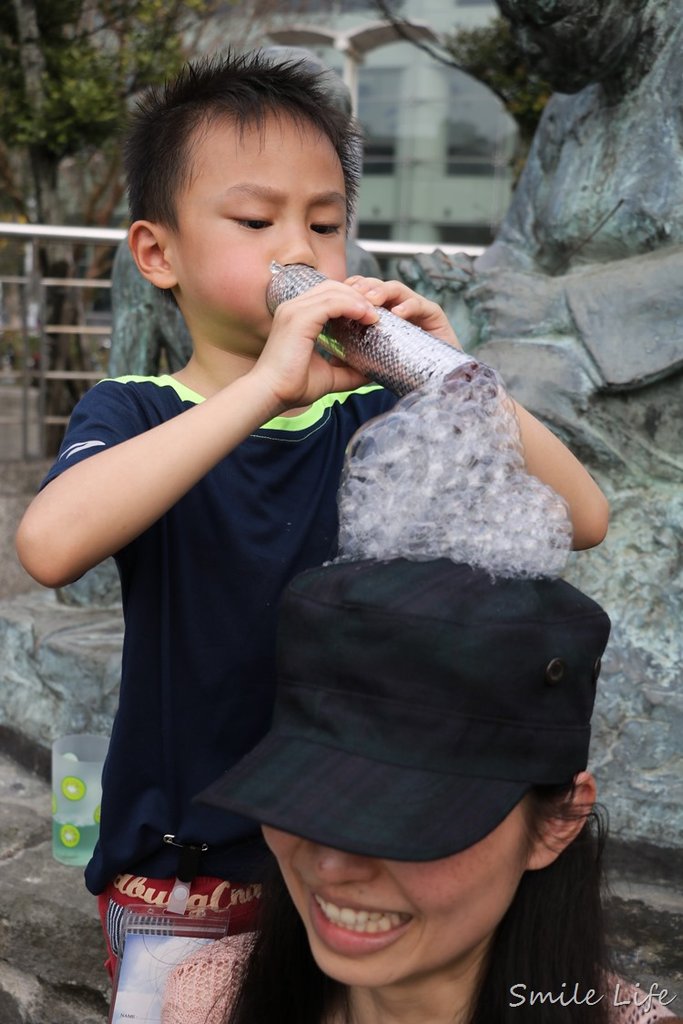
[424, 794]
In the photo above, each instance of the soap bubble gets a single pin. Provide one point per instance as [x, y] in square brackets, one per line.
[442, 474]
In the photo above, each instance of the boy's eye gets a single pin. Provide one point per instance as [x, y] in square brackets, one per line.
[253, 223]
[326, 229]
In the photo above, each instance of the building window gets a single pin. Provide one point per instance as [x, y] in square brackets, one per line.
[468, 152]
[478, 134]
[379, 157]
[375, 229]
[465, 234]
[378, 113]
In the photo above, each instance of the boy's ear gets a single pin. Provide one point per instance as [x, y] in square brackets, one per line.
[557, 832]
[148, 243]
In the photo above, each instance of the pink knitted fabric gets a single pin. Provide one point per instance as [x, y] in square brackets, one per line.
[202, 988]
[643, 1008]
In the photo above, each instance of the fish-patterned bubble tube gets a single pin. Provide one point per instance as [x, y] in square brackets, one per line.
[392, 352]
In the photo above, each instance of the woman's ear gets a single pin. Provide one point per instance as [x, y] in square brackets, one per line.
[149, 245]
[557, 831]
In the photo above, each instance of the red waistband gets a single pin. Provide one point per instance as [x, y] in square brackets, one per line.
[206, 893]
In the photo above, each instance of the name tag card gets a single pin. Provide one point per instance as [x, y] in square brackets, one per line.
[154, 942]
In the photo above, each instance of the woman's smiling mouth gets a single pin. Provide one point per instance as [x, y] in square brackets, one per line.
[369, 922]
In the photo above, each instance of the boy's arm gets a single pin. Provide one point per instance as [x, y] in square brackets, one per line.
[551, 461]
[546, 457]
[99, 505]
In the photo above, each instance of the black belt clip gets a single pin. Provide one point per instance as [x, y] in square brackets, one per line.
[188, 869]
[189, 858]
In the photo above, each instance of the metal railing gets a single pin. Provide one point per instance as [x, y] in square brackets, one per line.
[29, 376]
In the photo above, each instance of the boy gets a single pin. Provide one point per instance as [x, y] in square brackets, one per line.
[210, 513]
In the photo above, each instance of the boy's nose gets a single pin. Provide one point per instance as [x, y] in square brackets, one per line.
[297, 250]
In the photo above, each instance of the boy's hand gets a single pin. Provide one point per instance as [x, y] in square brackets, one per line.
[293, 371]
[398, 298]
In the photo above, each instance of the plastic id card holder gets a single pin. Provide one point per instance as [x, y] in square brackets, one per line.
[154, 942]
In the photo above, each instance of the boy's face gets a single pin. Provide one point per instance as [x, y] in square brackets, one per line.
[271, 194]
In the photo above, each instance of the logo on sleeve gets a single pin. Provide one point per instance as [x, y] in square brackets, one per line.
[81, 446]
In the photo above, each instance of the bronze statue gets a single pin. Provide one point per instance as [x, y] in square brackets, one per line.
[578, 301]
[579, 305]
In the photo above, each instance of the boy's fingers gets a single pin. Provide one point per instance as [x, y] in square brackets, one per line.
[327, 302]
[344, 301]
[384, 293]
[407, 304]
[364, 284]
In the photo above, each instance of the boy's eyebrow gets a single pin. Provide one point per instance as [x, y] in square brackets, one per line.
[274, 195]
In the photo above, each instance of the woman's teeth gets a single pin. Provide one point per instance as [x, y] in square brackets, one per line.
[369, 921]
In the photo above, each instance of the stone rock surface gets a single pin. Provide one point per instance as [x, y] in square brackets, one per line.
[636, 749]
[100, 587]
[51, 945]
[61, 666]
[19, 481]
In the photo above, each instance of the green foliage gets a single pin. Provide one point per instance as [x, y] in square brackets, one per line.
[68, 90]
[492, 56]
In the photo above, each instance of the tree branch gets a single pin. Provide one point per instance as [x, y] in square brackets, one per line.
[402, 27]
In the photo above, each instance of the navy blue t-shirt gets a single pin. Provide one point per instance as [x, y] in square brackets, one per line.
[200, 593]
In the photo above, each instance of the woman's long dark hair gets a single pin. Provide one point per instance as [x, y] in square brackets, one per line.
[551, 940]
[282, 983]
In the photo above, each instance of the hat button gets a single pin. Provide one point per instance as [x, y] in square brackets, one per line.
[554, 671]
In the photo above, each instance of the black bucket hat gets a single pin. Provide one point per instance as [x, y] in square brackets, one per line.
[417, 703]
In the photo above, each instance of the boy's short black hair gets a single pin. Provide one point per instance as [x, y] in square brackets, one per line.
[244, 89]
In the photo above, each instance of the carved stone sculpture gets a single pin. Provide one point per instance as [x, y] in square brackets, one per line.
[148, 330]
[579, 305]
[583, 279]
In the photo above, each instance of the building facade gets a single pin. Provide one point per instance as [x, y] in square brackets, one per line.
[439, 145]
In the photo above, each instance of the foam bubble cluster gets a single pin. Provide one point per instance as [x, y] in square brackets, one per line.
[442, 475]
